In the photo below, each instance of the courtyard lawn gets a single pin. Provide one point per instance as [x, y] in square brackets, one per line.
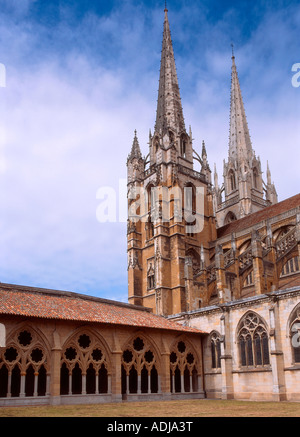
[193, 408]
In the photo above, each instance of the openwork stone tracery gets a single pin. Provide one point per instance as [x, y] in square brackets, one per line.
[184, 370]
[253, 341]
[84, 366]
[24, 365]
[140, 368]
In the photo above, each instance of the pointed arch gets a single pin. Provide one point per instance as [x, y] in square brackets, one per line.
[185, 366]
[26, 358]
[255, 176]
[231, 180]
[230, 217]
[85, 363]
[253, 341]
[293, 332]
[140, 365]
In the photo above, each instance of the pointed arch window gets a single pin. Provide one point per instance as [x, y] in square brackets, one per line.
[249, 279]
[24, 365]
[150, 278]
[84, 367]
[255, 178]
[290, 267]
[232, 180]
[295, 334]
[183, 146]
[253, 342]
[183, 369]
[150, 198]
[140, 372]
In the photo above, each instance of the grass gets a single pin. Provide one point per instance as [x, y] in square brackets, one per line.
[194, 408]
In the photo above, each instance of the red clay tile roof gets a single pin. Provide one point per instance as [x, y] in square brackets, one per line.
[50, 304]
[264, 214]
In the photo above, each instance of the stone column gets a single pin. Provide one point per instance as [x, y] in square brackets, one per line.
[226, 357]
[55, 370]
[70, 382]
[9, 385]
[258, 266]
[83, 390]
[22, 384]
[116, 369]
[139, 384]
[276, 354]
[220, 274]
[165, 373]
[97, 383]
[109, 384]
[182, 382]
[35, 390]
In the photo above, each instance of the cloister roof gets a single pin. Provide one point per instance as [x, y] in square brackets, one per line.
[53, 304]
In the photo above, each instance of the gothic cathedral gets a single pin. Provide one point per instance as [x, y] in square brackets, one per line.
[226, 257]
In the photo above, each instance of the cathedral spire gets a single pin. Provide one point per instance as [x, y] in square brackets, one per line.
[169, 113]
[135, 150]
[239, 137]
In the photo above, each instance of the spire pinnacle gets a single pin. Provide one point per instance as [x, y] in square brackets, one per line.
[232, 48]
[239, 137]
[135, 150]
[169, 113]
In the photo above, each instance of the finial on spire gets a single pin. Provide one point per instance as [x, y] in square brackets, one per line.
[232, 48]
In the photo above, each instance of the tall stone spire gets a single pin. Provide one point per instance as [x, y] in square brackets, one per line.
[239, 138]
[135, 150]
[169, 113]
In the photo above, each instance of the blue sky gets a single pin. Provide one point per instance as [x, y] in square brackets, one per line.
[81, 76]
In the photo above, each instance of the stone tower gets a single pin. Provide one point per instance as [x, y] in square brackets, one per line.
[170, 221]
[243, 191]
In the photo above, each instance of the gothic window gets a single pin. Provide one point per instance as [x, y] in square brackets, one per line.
[230, 217]
[183, 145]
[139, 368]
[215, 348]
[295, 334]
[150, 277]
[189, 201]
[150, 198]
[156, 145]
[255, 178]
[84, 367]
[232, 181]
[149, 229]
[183, 369]
[23, 365]
[253, 341]
[151, 282]
[290, 267]
[249, 279]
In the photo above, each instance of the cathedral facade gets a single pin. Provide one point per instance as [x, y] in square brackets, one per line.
[213, 284]
[229, 266]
